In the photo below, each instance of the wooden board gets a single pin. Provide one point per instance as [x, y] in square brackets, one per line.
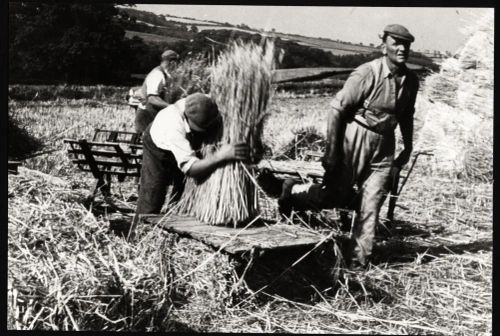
[234, 240]
[312, 169]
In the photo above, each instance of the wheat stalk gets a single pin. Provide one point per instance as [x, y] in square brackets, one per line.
[241, 87]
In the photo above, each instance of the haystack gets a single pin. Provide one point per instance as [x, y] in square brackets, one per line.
[21, 141]
[241, 86]
[285, 132]
[457, 107]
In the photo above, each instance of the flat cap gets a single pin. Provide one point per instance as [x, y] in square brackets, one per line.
[398, 31]
[201, 110]
[168, 55]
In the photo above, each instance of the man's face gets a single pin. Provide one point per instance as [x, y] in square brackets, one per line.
[397, 50]
[169, 64]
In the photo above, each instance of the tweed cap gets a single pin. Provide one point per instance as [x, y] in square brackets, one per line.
[201, 110]
[398, 31]
[168, 55]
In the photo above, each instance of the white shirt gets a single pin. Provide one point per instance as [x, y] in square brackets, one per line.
[154, 84]
[168, 132]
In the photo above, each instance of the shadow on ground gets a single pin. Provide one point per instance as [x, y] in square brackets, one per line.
[303, 276]
[400, 247]
[292, 273]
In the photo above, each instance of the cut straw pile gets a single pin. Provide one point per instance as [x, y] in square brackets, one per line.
[291, 125]
[241, 86]
[67, 271]
[457, 108]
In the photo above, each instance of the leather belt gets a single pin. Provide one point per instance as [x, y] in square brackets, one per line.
[362, 121]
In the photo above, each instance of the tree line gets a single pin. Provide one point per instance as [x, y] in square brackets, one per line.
[86, 43]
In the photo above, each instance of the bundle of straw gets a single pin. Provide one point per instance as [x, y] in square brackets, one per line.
[189, 76]
[460, 102]
[241, 87]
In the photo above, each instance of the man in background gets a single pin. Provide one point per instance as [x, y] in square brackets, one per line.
[153, 91]
[376, 97]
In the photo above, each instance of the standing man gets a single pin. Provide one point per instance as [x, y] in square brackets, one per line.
[376, 97]
[170, 148]
[153, 91]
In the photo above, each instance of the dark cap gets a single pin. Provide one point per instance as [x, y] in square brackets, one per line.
[168, 55]
[201, 110]
[398, 31]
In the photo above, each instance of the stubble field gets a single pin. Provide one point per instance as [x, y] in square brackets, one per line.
[67, 270]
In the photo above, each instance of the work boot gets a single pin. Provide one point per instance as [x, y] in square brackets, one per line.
[285, 199]
[269, 183]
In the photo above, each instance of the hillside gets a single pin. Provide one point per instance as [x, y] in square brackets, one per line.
[335, 47]
[301, 51]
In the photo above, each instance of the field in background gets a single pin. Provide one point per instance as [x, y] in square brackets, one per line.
[152, 38]
[432, 275]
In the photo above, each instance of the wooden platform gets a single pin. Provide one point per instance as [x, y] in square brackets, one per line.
[235, 241]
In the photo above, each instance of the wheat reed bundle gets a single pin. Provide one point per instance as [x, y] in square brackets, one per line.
[189, 76]
[241, 86]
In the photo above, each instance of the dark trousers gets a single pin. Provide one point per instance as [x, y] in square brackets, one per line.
[367, 162]
[144, 117]
[159, 170]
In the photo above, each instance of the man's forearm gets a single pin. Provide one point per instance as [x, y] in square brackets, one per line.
[335, 140]
[406, 127]
[157, 102]
[407, 133]
[204, 167]
[226, 153]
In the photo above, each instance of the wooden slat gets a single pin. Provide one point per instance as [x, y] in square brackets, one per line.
[312, 169]
[117, 136]
[109, 164]
[134, 146]
[106, 153]
[103, 144]
[116, 173]
[89, 158]
[271, 237]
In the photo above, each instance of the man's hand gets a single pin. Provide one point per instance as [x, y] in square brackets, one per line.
[402, 158]
[257, 152]
[200, 169]
[229, 152]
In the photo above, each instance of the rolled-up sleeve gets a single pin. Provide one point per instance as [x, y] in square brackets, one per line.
[354, 92]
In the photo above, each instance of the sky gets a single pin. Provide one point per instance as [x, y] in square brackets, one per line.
[434, 28]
